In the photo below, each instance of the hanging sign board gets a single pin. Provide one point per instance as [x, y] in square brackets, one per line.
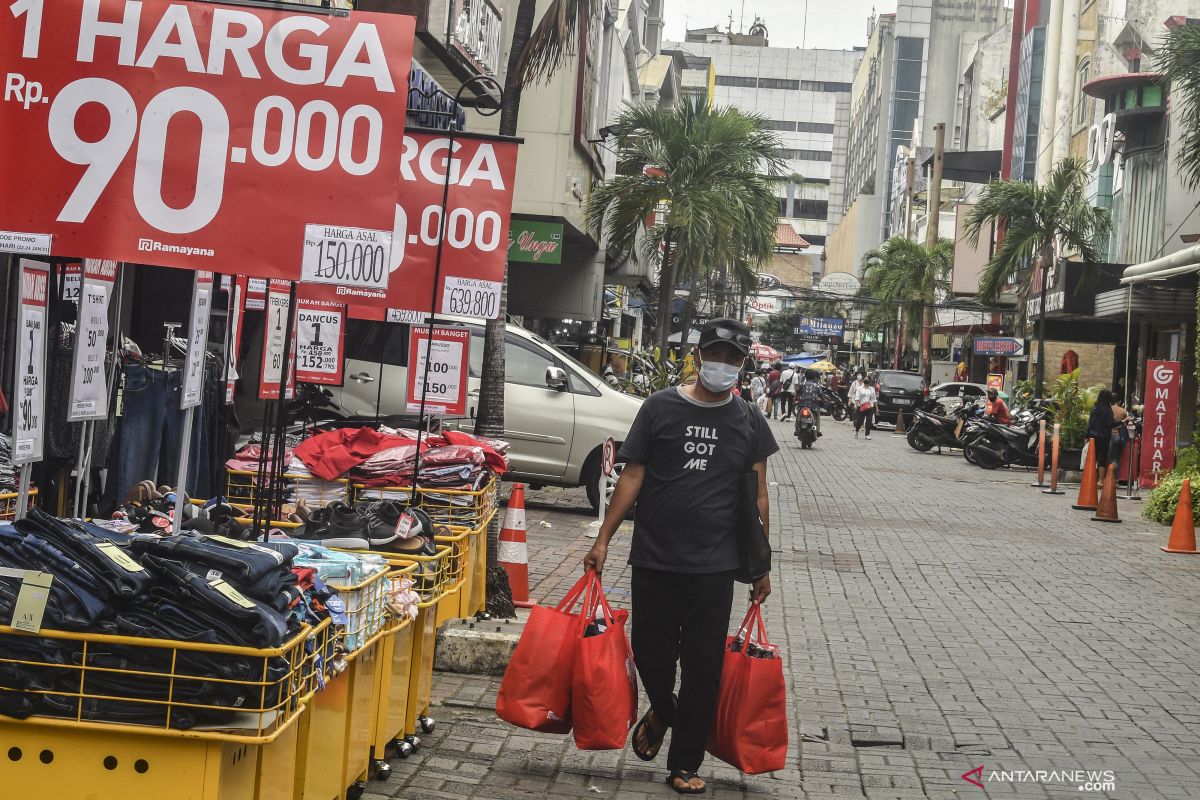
[478, 207]
[72, 281]
[89, 379]
[319, 342]
[256, 294]
[193, 375]
[273, 337]
[448, 364]
[237, 299]
[1164, 380]
[29, 418]
[153, 129]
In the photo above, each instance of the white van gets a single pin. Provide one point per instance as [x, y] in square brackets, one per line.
[557, 413]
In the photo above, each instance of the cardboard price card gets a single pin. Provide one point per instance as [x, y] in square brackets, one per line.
[444, 357]
[29, 382]
[153, 131]
[278, 308]
[89, 379]
[193, 376]
[319, 342]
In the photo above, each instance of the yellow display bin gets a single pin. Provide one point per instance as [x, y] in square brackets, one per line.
[8, 504]
[395, 656]
[457, 507]
[449, 604]
[431, 577]
[251, 757]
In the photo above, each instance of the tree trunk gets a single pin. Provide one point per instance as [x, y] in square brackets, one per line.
[1046, 259]
[900, 340]
[666, 299]
[689, 314]
[489, 419]
[927, 339]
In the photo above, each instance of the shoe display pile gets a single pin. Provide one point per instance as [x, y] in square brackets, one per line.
[383, 525]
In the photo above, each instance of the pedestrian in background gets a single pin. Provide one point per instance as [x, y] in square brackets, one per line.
[758, 390]
[1105, 425]
[790, 381]
[685, 450]
[774, 390]
[863, 398]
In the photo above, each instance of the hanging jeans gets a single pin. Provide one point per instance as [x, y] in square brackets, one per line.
[151, 433]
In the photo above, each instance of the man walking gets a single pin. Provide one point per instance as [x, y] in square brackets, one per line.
[790, 380]
[682, 456]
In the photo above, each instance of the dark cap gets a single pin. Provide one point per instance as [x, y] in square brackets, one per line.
[724, 330]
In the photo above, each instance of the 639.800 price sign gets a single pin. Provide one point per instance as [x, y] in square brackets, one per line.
[163, 132]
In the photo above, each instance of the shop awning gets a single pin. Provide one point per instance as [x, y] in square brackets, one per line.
[969, 166]
[1178, 263]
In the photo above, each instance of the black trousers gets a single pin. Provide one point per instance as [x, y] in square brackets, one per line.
[684, 619]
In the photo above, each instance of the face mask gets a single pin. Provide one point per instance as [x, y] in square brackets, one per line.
[718, 377]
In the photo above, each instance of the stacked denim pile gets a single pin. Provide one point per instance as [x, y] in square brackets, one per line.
[193, 588]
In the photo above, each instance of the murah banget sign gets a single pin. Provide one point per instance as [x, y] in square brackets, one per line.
[193, 135]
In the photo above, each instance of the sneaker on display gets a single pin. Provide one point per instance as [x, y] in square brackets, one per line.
[336, 525]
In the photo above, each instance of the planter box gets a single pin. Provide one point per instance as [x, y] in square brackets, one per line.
[1070, 459]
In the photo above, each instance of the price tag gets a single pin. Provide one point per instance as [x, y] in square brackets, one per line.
[193, 378]
[273, 338]
[119, 557]
[447, 354]
[89, 381]
[72, 282]
[256, 294]
[31, 598]
[319, 342]
[471, 297]
[405, 316]
[346, 256]
[30, 368]
[230, 593]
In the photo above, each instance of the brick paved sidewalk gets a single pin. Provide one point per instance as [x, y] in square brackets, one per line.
[934, 617]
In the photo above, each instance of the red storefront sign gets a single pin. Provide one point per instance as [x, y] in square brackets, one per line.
[1164, 380]
[479, 205]
[193, 134]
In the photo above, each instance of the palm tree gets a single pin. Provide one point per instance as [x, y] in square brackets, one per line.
[534, 55]
[905, 276]
[692, 181]
[1035, 221]
[1178, 58]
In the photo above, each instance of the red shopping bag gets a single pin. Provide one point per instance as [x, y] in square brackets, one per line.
[604, 690]
[536, 690]
[750, 730]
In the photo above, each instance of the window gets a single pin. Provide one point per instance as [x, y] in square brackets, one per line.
[812, 209]
[1082, 76]
[525, 366]
[736, 80]
[812, 86]
[805, 155]
[833, 86]
[781, 125]
[814, 127]
[377, 341]
[778, 83]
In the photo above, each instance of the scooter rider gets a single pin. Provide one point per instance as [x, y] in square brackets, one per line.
[808, 395]
[997, 409]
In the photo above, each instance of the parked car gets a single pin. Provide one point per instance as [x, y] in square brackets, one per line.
[898, 391]
[953, 394]
[557, 412]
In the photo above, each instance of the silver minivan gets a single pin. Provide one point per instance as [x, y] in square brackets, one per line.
[557, 413]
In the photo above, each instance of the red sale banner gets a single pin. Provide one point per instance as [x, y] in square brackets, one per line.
[1164, 381]
[192, 135]
[479, 205]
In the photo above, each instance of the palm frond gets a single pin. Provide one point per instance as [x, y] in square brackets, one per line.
[1178, 57]
[553, 39]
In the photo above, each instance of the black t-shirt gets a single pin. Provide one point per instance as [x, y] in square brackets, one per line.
[685, 515]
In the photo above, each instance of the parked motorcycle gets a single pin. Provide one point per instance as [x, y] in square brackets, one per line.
[832, 405]
[930, 430]
[993, 445]
[806, 427]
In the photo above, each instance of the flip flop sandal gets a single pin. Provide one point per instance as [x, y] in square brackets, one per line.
[655, 741]
[687, 778]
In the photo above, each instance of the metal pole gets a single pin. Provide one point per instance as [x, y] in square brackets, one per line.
[1041, 481]
[932, 217]
[1128, 339]
[185, 452]
[278, 467]
[23, 492]
[79, 467]
[1040, 371]
[113, 371]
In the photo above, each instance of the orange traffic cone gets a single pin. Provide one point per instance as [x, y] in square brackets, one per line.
[1087, 487]
[899, 422]
[1107, 508]
[512, 551]
[1183, 529]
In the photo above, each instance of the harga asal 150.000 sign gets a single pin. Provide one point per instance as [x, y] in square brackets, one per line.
[179, 133]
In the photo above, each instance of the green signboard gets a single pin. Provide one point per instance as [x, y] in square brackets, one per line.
[535, 242]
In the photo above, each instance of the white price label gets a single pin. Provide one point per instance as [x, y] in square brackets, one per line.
[470, 297]
[403, 315]
[256, 294]
[34, 244]
[277, 314]
[29, 422]
[193, 380]
[444, 373]
[346, 256]
[318, 339]
[72, 282]
[89, 386]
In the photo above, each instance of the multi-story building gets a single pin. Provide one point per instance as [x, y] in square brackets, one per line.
[905, 85]
[798, 91]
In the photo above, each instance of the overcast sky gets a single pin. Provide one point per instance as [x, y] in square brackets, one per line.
[837, 25]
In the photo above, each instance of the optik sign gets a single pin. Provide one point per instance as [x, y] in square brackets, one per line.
[1163, 384]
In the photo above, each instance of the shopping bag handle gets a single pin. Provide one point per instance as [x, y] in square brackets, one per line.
[595, 600]
[575, 593]
[753, 628]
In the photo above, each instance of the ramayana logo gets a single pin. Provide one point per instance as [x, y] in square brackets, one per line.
[153, 246]
[1084, 780]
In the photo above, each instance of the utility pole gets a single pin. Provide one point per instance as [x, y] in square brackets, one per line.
[933, 214]
[910, 196]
